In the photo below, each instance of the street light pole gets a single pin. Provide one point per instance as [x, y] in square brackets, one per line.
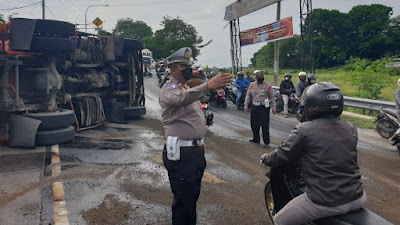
[86, 14]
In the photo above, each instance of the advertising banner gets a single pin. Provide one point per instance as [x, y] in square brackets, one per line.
[271, 32]
[244, 7]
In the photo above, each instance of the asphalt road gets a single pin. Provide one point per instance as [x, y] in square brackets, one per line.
[114, 174]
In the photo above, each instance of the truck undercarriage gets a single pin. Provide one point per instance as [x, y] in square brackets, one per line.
[53, 77]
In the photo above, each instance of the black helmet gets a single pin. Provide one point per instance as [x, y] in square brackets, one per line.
[311, 78]
[322, 99]
[288, 75]
[240, 73]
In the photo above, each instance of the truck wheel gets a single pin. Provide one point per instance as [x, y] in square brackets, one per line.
[53, 137]
[54, 28]
[133, 112]
[52, 44]
[53, 120]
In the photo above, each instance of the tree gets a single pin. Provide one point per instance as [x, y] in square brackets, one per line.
[370, 24]
[174, 35]
[104, 33]
[330, 29]
[289, 55]
[127, 28]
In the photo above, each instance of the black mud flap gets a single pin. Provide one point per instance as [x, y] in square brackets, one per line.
[23, 131]
[114, 111]
[134, 112]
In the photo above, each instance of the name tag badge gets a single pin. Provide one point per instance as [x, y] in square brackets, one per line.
[266, 103]
[173, 149]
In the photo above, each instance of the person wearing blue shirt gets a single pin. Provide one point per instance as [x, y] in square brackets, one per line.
[241, 84]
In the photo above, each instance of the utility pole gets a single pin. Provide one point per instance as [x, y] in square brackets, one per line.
[232, 47]
[43, 7]
[276, 57]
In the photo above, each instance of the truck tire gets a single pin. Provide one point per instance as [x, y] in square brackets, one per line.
[53, 120]
[52, 44]
[133, 112]
[53, 137]
[54, 28]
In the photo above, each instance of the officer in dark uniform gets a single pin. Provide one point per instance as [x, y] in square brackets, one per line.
[262, 97]
[185, 128]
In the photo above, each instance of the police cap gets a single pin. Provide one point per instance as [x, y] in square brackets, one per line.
[182, 56]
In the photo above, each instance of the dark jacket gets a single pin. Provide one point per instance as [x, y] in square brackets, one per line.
[327, 149]
[397, 98]
[286, 87]
[300, 86]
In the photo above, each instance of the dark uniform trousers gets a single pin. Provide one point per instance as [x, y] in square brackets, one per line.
[259, 117]
[185, 179]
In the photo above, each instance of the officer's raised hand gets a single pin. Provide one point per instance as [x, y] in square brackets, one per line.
[220, 81]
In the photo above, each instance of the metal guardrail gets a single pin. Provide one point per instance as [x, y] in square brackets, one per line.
[362, 103]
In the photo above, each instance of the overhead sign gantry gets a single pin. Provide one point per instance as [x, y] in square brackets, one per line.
[232, 14]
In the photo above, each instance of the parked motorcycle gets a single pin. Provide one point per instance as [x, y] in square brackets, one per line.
[292, 105]
[286, 183]
[217, 98]
[388, 126]
[207, 115]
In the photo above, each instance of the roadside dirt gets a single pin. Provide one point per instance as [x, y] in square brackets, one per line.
[111, 211]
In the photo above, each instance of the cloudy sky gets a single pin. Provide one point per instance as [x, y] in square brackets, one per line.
[205, 15]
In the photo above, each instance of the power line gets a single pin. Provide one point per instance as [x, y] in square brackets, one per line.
[20, 7]
[51, 12]
[118, 5]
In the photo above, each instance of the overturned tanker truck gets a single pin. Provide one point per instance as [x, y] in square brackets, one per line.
[56, 81]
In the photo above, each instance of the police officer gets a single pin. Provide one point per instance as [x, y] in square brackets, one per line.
[262, 97]
[185, 127]
[326, 148]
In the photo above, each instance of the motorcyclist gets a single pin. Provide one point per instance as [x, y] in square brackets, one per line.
[300, 87]
[201, 74]
[285, 89]
[212, 74]
[311, 79]
[241, 85]
[161, 70]
[301, 84]
[397, 98]
[326, 147]
[249, 78]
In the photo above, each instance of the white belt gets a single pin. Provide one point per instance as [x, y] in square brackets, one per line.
[188, 143]
[258, 103]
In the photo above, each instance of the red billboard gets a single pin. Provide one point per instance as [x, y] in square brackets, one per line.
[271, 32]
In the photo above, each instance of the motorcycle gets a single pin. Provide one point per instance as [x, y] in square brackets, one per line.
[286, 183]
[217, 98]
[209, 117]
[147, 72]
[292, 105]
[388, 126]
[232, 96]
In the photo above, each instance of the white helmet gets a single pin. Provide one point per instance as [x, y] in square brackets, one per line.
[257, 71]
[398, 82]
[302, 74]
[200, 69]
